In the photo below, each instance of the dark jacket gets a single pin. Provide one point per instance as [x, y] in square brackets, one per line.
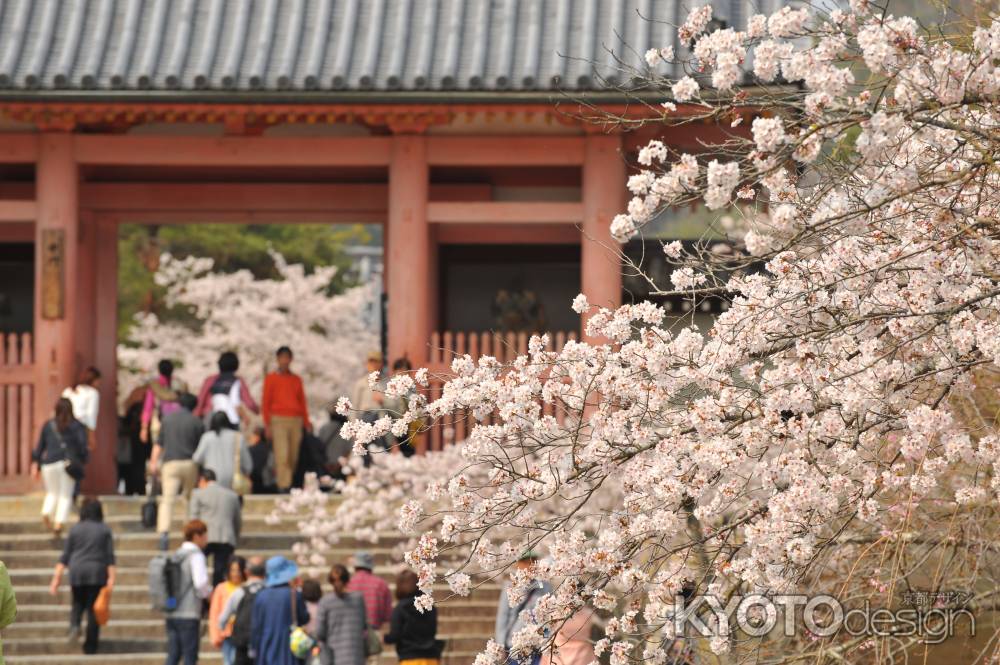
[90, 549]
[55, 447]
[413, 632]
[180, 433]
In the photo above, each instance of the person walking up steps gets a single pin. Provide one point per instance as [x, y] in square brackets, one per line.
[237, 615]
[286, 414]
[378, 598]
[273, 614]
[226, 392]
[219, 508]
[511, 619]
[59, 459]
[193, 586]
[340, 626]
[180, 433]
[219, 449]
[219, 633]
[90, 557]
[413, 632]
[160, 398]
[86, 402]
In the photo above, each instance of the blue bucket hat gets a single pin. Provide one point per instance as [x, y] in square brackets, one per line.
[280, 571]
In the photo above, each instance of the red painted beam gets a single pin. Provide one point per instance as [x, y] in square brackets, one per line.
[18, 211]
[18, 148]
[297, 151]
[508, 234]
[505, 212]
[210, 197]
[505, 150]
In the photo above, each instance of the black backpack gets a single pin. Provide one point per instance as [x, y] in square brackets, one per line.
[244, 616]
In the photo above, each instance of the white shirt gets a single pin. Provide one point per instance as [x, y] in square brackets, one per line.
[199, 571]
[86, 401]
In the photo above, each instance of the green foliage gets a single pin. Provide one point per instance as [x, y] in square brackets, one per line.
[233, 247]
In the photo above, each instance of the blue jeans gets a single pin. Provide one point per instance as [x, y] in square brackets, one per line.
[228, 652]
[183, 636]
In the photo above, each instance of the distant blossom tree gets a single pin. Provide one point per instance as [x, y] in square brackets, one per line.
[817, 438]
[330, 335]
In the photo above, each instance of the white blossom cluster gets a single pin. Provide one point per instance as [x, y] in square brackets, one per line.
[811, 438]
[236, 312]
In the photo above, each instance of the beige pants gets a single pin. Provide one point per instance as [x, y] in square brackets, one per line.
[176, 477]
[286, 438]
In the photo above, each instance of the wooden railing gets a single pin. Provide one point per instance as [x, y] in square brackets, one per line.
[17, 385]
[447, 345]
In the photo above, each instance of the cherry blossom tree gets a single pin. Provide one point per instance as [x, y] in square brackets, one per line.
[830, 433]
[330, 335]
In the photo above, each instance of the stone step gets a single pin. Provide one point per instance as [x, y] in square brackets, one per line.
[139, 558]
[453, 617]
[133, 524]
[282, 536]
[137, 594]
[145, 541]
[138, 574]
[30, 505]
[18, 559]
[58, 645]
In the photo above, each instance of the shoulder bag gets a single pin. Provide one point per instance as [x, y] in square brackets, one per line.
[73, 466]
[241, 484]
[300, 642]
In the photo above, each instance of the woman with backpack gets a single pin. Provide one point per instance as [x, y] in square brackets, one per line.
[226, 392]
[160, 398]
[413, 632]
[90, 557]
[219, 448]
[59, 459]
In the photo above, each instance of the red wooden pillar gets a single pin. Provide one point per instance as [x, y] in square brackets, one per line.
[102, 471]
[86, 291]
[56, 265]
[408, 251]
[603, 198]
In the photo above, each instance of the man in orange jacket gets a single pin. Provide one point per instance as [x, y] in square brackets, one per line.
[286, 414]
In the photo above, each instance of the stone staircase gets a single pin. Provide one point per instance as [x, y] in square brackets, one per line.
[135, 633]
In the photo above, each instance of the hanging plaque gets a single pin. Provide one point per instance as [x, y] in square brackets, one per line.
[53, 262]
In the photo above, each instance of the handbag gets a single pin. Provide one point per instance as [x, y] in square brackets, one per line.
[300, 642]
[102, 606]
[373, 642]
[148, 512]
[123, 449]
[241, 484]
[73, 467]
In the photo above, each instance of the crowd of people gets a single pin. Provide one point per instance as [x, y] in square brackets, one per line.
[210, 450]
[166, 434]
[267, 612]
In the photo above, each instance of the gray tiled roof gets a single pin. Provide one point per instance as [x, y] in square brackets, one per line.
[354, 45]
